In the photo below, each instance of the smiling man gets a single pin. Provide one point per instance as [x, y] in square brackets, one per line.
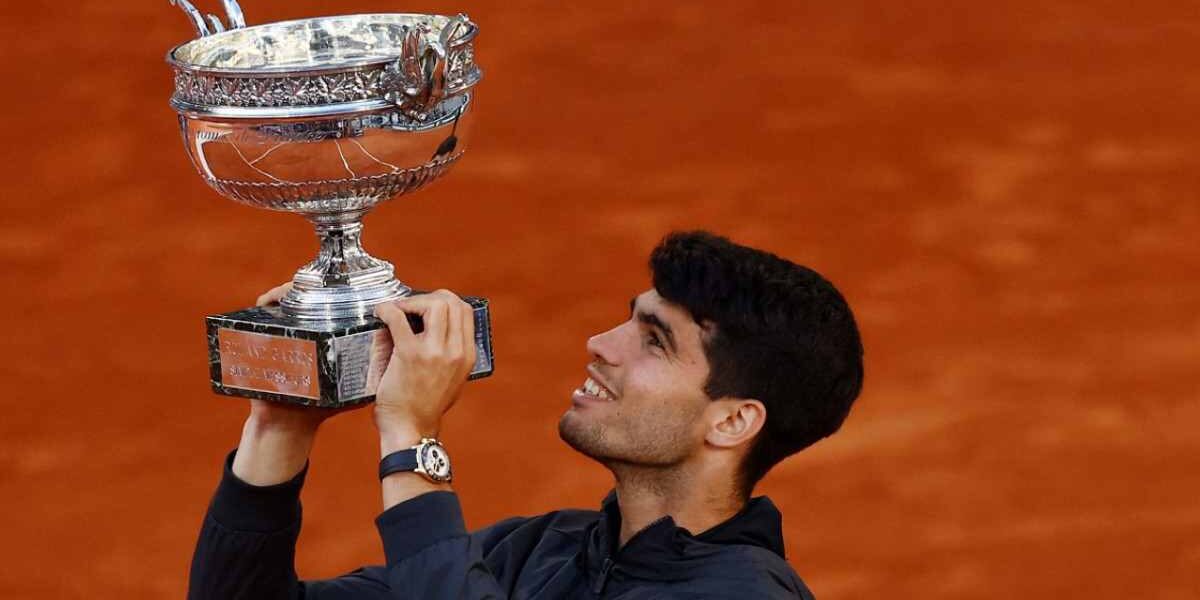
[734, 360]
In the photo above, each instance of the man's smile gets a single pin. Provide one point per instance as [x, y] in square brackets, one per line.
[595, 389]
[592, 391]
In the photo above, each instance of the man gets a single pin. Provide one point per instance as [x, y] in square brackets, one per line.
[734, 360]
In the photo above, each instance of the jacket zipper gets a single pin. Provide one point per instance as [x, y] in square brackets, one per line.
[605, 569]
[609, 565]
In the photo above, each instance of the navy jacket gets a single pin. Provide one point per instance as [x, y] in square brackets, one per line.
[248, 540]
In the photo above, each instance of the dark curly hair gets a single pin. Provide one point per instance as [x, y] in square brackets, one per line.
[778, 333]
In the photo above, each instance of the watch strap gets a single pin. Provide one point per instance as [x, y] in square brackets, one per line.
[400, 460]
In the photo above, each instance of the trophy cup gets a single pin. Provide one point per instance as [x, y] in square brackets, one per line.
[323, 117]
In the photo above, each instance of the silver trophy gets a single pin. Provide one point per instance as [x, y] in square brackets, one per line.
[326, 118]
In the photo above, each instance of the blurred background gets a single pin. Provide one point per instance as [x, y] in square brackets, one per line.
[1005, 192]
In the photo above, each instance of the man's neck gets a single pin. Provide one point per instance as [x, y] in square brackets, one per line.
[694, 501]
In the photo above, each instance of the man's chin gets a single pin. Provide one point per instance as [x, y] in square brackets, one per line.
[584, 437]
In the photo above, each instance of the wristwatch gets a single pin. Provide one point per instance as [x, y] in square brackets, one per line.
[428, 458]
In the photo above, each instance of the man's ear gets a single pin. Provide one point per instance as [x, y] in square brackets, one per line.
[733, 421]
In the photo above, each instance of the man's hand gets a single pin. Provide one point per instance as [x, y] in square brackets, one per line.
[277, 437]
[422, 380]
[274, 295]
[426, 370]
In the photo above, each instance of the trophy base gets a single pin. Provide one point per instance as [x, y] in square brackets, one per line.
[263, 353]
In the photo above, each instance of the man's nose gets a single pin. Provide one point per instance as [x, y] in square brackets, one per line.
[603, 348]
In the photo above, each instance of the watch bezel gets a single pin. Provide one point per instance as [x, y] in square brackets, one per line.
[425, 446]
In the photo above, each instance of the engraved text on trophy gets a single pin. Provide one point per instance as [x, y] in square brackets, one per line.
[265, 363]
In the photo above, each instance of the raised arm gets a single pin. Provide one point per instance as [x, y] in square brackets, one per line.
[247, 541]
[429, 553]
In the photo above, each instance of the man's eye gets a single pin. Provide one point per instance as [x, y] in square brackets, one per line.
[653, 340]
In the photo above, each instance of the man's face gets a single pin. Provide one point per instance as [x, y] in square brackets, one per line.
[644, 395]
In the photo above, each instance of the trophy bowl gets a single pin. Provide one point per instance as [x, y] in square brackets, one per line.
[327, 117]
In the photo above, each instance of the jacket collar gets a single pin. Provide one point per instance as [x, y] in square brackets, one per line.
[665, 551]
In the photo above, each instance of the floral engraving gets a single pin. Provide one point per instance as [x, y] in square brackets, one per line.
[359, 84]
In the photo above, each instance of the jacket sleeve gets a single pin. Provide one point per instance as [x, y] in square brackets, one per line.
[430, 555]
[247, 542]
[247, 547]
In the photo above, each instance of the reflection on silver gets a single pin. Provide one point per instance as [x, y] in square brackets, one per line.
[326, 118]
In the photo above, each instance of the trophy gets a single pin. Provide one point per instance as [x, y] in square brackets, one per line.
[325, 118]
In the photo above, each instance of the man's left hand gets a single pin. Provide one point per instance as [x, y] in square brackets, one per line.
[427, 370]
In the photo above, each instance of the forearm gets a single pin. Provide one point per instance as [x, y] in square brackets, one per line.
[272, 451]
[431, 556]
[247, 544]
[247, 541]
[429, 553]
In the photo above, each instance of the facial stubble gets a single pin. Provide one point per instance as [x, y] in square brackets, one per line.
[656, 438]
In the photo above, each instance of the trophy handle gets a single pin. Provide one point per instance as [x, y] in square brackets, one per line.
[217, 25]
[233, 11]
[197, 19]
[417, 78]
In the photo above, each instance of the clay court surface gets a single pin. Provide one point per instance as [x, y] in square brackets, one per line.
[1006, 193]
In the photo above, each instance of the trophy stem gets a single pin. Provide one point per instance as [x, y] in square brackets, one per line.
[344, 282]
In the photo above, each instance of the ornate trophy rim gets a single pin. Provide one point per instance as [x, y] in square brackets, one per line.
[331, 67]
[330, 87]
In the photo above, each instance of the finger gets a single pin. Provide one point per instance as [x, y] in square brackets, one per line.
[455, 312]
[419, 304]
[468, 336]
[274, 295]
[432, 309]
[402, 333]
[436, 326]
[454, 325]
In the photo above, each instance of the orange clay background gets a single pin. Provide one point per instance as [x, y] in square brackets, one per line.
[1005, 191]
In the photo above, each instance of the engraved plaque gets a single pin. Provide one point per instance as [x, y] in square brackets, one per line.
[267, 363]
[362, 357]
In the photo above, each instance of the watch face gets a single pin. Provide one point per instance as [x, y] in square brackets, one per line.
[434, 461]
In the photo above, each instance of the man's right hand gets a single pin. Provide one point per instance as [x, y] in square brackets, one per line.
[277, 437]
